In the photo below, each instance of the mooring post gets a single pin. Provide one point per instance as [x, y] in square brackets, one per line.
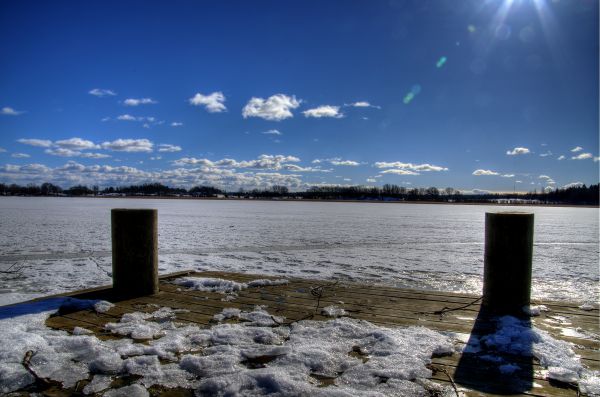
[134, 235]
[507, 262]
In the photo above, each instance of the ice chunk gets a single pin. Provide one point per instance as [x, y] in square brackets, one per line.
[98, 384]
[81, 331]
[562, 374]
[333, 311]
[535, 311]
[267, 282]
[210, 284]
[103, 306]
[128, 391]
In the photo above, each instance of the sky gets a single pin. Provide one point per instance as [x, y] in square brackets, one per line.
[479, 95]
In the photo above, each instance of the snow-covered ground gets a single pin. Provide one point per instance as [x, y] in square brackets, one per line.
[259, 353]
[55, 245]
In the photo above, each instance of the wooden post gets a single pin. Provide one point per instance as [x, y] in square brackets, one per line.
[134, 251]
[507, 262]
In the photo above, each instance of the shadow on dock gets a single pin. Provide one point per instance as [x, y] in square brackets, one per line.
[498, 357]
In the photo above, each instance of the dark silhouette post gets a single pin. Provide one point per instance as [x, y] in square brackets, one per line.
[507, 262]
[134, 251]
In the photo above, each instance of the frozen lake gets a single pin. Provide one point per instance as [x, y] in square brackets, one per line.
[62, 244]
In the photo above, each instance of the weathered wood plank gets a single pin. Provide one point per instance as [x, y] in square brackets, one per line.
[381, 305]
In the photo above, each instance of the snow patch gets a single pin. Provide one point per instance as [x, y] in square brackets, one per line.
[224, 286]
[333, 311]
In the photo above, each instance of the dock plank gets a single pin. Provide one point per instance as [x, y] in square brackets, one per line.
[381, 305]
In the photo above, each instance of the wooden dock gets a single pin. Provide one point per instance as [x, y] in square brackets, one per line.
[386, 306]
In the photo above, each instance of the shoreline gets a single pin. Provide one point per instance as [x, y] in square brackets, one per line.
[325, 201]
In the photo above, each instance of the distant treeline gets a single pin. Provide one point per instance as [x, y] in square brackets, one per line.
[583, 195]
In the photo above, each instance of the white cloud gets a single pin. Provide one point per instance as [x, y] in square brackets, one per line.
[371, 180]
[275, 108]
[400, 172]
[596, 159]
[129, 145]
[272, 132]
[484, 172]
[577, 149]
[561, 157]
[410, 166]
[214, 103]
[548, 153]
[156, 158]
[8, 111]
[20, 155]
[76, 144]
[573, 184]
[544, 177]
[165, 147]
[139, 101]
[127, 117]
[324, 111]
[94, 155]
[264, 161]
[176, 124]
[517, 151]
[362, 104]
[62, 152]
[35, 142]
[582, 156]
[2, 150]
[297, 168]
[344, 163]
[100, 92]
[507, 175]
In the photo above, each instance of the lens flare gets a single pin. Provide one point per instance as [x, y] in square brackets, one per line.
[440, 63]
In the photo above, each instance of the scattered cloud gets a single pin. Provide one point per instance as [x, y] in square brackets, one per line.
[176, 124]
[324, 111]
[484, 172]
[410, 166]
[548, 153]
[573, 184]
[577, 149]
[596, 159]
[20, 155]
[62, 152]
[400, 172]
[371, 180]
[126, 117]
[344, 163]
[582, 156]
[362, 104]
[275, 108]
[561, 157]
[264, 161]
[139, 101]
[165, 147]
[272, 132]
[2, 150]
[156, 158]
[518, 151]
[213, 103]
[94, 155]
[76, 144]
[129, 145]
[101, 92]
[35, 142]
[8, 111]
[508, 175]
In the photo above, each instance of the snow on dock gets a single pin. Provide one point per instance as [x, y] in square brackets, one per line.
[215, 333]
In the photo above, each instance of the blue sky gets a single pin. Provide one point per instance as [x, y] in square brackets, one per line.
[478, 95]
